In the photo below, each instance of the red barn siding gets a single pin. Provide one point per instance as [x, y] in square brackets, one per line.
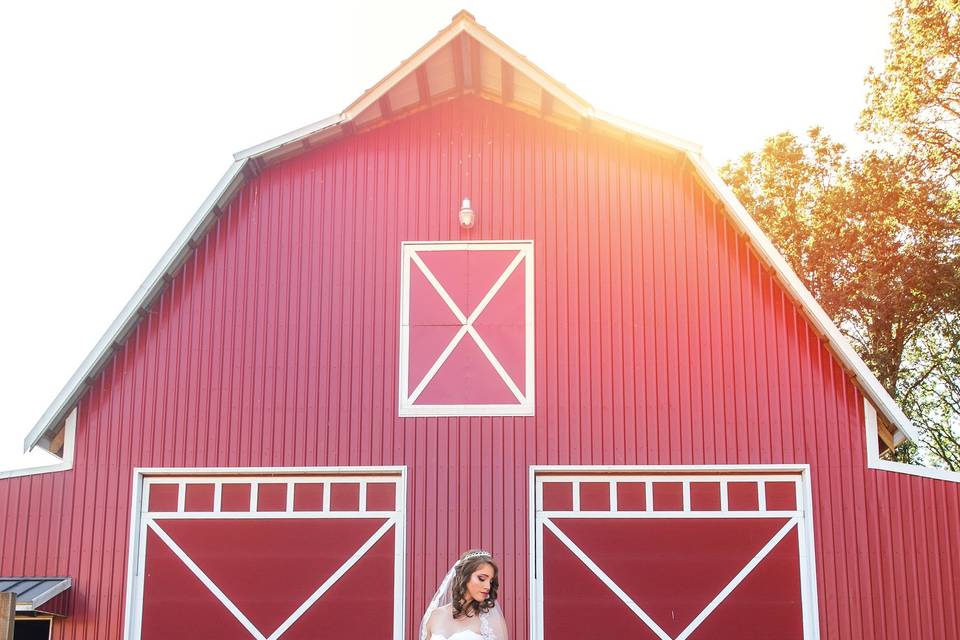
[660, 339]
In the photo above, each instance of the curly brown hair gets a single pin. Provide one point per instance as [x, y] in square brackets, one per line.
[465, 569]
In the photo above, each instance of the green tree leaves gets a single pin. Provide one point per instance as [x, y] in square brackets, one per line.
[876, 239]
[914, 101]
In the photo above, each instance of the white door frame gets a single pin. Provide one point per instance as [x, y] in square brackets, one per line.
[526, 401]
[802, 518]
[141, 519]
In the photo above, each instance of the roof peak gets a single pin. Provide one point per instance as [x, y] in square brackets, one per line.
[463, 14]
[463, 56]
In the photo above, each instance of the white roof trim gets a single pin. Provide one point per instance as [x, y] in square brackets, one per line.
[66, 462]
[129, 316]
[234, 177]
[841, 347]
[464, 24]
[409, 66]
[874, 461]
[293, 136]
[572, 100]
[662, 137]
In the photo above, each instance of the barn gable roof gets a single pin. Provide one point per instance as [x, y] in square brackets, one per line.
[462, 58]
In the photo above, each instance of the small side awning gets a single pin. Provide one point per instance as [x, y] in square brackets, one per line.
[32, 593]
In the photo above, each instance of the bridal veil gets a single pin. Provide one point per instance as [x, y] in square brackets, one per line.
[492, 623]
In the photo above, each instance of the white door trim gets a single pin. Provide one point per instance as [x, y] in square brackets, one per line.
[408, 397]
[142, 519]
[801, 518]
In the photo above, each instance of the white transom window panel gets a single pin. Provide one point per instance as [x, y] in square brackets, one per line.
[466, 329]
[661, 554]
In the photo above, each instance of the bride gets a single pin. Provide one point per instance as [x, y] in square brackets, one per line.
[464, 607]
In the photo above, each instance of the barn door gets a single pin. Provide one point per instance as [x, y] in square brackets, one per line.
[698, 555]
[269, 557]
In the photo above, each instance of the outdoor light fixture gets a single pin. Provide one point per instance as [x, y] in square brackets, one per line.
[467, 216]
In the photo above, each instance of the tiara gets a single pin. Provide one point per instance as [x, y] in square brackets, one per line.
[474, 554]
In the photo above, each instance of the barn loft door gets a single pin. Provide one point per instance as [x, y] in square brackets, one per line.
[697, 555]
[277, 557]
[466, 329]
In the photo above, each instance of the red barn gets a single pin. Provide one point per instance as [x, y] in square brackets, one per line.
[472, 311]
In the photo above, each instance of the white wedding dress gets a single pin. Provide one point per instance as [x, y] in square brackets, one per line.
[486, 632]
[459, 635]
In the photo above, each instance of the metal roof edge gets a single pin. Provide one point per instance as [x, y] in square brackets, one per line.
[52, 586]
[129, 315]
[409, 65]
[371, 95]
[288, 138]
[127, 318]
[650, 133]
[462, 22]
[485, 37]
[54, 590]
[465, 23]
[841, 347]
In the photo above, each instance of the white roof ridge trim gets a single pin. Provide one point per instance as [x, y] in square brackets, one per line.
[129, 315]
[290, 137]
[514, 58]
[788, 278]
[484, 38]
[664, 138]
[197, 225]
[406, 67]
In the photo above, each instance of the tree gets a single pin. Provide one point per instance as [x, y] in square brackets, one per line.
[930, 388]
[915, 99]
[876, 243]
[897, 247]
[783, 187]
[913, 106]
[876, 239]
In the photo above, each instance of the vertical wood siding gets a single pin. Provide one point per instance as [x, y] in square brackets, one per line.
[660, 339]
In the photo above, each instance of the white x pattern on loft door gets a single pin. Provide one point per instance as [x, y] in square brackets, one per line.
[520, 385]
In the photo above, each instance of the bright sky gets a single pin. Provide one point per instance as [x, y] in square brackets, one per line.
[117, 119]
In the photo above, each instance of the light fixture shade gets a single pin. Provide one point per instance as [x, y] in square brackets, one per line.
[467, 215]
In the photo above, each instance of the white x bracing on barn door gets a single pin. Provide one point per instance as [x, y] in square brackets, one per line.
[685, 553]
[265, 548]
